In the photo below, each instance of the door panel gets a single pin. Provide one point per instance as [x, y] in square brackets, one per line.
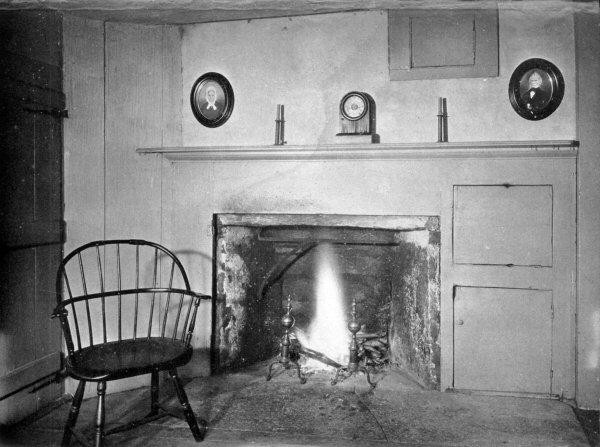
[32, 209]
[502, 339]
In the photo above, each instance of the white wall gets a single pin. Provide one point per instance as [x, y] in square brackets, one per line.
[309, 63]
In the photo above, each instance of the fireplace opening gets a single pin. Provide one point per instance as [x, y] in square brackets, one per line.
[379, 272]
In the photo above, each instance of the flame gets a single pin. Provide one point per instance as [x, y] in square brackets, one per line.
[328, 333]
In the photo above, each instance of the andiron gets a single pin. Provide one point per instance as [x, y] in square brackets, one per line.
[353, 362]
[287, 321]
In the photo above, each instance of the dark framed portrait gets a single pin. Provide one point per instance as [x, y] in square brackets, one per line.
[212, 99]
[536, 89]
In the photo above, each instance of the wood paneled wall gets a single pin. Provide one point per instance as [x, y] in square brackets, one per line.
[587, 35]
[123, 84]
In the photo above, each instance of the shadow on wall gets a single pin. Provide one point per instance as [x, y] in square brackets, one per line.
[198, 266]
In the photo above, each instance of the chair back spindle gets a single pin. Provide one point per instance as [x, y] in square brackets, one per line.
[119, 289]
[151, 296]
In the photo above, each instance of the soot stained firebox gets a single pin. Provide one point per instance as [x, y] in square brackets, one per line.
[320, 265]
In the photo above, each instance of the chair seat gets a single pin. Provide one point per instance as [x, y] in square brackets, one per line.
[126, 358]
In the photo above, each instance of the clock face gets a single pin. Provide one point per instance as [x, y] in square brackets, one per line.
[354, 107]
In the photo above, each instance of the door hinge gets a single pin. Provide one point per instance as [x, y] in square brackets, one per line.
[41, 110]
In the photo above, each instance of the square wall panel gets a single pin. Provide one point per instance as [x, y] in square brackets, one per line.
[442, 41]
[502, 225]
[503, 339]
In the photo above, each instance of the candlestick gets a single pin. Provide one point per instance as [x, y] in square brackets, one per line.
[280, 126]
[445, 121]
[442, 121]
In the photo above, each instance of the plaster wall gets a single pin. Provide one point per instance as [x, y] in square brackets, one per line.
[308, 64]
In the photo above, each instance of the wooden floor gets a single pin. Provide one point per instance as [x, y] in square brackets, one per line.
[244, 409]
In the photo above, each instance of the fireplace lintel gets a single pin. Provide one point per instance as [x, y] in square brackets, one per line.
[400, 223]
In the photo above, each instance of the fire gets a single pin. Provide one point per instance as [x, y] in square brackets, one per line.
[328, 333]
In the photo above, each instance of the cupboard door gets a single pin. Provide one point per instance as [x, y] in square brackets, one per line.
[503, 339]
[434, 44]
[499, 225]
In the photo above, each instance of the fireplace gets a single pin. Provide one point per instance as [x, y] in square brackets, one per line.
[322, 265]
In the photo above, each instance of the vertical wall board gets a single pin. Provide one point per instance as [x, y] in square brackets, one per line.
[171, 86]
[134, 118]
[142, 73]
[83, 84]
[563, 286]
[502, 339]
[587, 45]
[171, 121]
[83, 130]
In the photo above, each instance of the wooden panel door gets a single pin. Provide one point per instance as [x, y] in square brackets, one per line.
[32, 208]
[499, 225]
[503, 339]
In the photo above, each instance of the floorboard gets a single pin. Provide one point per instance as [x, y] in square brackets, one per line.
[244, 409]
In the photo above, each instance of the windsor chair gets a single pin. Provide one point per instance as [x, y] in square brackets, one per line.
[126, 309]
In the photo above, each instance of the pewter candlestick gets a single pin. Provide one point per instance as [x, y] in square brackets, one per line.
[442, 121]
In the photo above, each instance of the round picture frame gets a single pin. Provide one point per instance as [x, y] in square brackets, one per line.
[212, 99]
[536, 89]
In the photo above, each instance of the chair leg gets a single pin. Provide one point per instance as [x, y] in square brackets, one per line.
[154, 390]
[187, 409]
[100, 414]
[73, 414]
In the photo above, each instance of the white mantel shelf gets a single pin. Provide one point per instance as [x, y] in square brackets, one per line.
[488, 149]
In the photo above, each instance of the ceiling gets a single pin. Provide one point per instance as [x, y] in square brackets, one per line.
[202, 11]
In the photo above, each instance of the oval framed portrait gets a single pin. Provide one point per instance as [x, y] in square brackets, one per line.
[212, 99]
[536, 89]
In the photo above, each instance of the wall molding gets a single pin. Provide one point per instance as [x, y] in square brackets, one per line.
[391, 151]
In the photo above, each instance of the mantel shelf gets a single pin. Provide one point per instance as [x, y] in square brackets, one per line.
[488, 149]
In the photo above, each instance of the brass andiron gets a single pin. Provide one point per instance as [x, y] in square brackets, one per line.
[287, 321]
[353, 362]
[280, 126]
